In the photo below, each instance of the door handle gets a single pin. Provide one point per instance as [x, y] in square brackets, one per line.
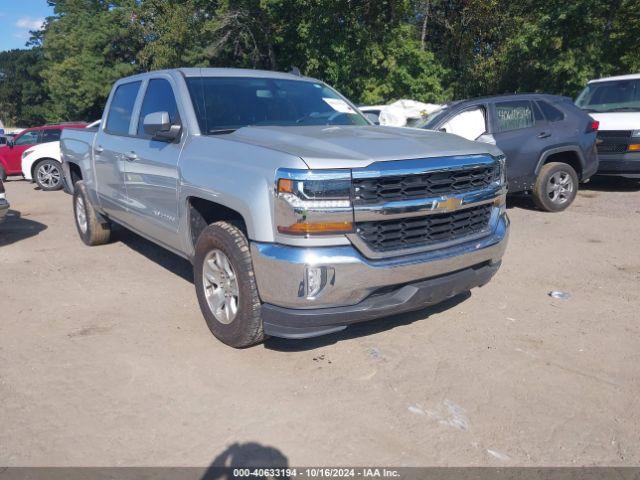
[131, 156]
[98, 149]
[544, 134]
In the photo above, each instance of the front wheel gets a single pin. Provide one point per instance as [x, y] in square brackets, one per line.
[226, 285]
[48, 175]
[556, 187]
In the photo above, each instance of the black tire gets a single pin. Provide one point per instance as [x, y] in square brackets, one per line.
[245, 329]
[3, 174]
[54, 168]
[97, 229]
[544, 195]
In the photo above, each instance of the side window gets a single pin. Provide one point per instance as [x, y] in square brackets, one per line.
[159, 97]
[551, 112]
[514, 115]
[121, 108]
[50, 135]
[469, 124]
[28, 138]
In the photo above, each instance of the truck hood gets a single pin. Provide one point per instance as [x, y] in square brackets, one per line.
[617, 120]
[358, 146]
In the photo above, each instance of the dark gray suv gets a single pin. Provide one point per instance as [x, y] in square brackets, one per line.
[549, 142]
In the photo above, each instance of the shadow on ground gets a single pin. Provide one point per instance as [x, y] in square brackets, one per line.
[16, 228]
[612, 184]
[245, 455]
[170, 261]
[364, 329]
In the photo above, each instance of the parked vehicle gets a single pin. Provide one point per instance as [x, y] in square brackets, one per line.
[3, 140]
[42, 164]
[299, 216]
[11, 153]
[548, 142]
[615, 103]
[4, 204]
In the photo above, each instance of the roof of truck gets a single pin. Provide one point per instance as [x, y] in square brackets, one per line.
[239, 72]
[632, 76]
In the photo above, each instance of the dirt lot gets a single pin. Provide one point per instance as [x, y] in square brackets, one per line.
[105, 359]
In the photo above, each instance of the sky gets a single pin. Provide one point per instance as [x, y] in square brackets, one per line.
[17, 17]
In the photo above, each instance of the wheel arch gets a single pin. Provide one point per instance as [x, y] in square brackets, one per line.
[202, 211]
[570, 154]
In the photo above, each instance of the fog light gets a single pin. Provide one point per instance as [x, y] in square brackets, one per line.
[316, 280]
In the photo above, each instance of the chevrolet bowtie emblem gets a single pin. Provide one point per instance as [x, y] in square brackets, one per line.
[449, 205]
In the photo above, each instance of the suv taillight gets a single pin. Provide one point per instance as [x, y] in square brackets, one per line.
[593, 126]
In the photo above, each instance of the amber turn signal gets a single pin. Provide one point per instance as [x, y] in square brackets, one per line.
[285, 185]
[304, 228]
[634, 147]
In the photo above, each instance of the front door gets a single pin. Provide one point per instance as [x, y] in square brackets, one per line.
[13, 154]
[151, 169]
[110, 148]
[521, 133]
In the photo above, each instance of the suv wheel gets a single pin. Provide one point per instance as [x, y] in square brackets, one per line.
[92, 227]
[226, 285]
[556, 187]
[48, 175]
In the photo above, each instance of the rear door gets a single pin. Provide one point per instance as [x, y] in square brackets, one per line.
[151, 169]
[522, 133]
[112, 143]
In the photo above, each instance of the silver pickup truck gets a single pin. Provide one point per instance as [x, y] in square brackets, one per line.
[299, 215]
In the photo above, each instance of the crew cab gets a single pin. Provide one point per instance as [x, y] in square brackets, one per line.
[299, 216]
[615, 103]
[11, 152]
[549, 142]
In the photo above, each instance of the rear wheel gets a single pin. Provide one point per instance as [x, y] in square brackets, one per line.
[226, 285]
[556, 187]
[92, 227]
[48, 175]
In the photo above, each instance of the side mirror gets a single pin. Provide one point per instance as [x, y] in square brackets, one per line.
[10, 143]
[442, 129]
[372, 117]
[157, 125]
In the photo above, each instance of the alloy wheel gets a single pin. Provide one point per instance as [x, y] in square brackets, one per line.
[220, 286]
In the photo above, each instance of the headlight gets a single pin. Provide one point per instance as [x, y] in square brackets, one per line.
[635, 134]
[26, 152]
[313, 202]
[501, 174]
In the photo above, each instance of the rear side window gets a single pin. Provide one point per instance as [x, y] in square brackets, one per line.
[121, 108]
[514, 115]
[159, 97]
[28, 138]
[50, 135]
[551, 112]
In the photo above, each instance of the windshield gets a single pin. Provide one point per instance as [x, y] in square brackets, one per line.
[432, 119]
[614, 96]
[224, 104]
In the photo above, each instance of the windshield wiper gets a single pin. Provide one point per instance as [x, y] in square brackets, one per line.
[222, 131]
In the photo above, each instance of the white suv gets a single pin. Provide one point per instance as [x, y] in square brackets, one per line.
[615, 103]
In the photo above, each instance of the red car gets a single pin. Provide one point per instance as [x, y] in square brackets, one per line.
[11, 153]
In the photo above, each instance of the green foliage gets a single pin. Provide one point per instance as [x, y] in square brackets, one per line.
[374, 51]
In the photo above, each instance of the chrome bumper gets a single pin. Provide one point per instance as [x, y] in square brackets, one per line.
[350, 277]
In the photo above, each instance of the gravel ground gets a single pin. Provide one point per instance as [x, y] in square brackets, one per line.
[105, 359]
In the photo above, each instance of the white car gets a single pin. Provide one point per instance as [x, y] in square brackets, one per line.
[615, 103]
[42, 164]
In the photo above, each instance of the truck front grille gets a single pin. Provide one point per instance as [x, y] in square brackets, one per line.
[404, 233]
[613, 141]
[424, 185]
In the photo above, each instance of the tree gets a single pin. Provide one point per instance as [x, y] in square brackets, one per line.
[22, 98]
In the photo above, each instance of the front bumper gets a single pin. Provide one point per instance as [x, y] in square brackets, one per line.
[621, 164]
[360, 289]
